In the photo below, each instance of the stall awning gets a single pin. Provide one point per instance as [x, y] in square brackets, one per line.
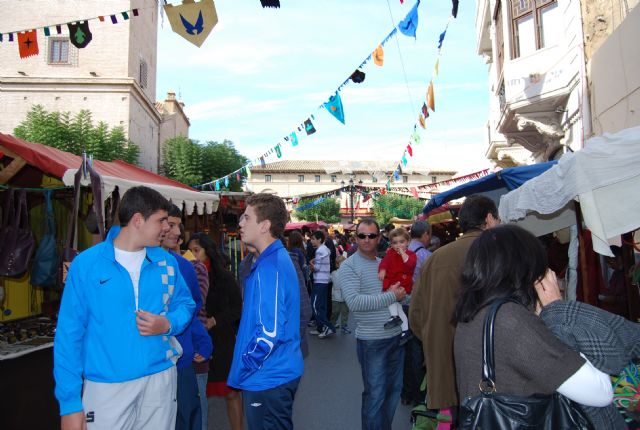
[604, 176]
[63, 165]
[506, 180]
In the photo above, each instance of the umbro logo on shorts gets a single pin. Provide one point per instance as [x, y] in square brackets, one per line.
[90, 417]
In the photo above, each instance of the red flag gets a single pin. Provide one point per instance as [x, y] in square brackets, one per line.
[28, 44]
[410, 150]
[414, 191]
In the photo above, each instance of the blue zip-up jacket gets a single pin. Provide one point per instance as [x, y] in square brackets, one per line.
[267, 352]
[195, 337]
[97, 337]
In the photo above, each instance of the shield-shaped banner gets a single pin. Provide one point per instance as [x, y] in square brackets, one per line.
[79, 34]
[191, 20]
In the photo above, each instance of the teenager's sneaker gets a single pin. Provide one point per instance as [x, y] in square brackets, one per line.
[405, 337]
[311, 323]
[393, 322]
[314, 331]
[326, 333]
[346, 330]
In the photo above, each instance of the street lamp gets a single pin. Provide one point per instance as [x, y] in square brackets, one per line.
[352, 190]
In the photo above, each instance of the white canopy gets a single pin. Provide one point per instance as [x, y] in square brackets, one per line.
[604, 177]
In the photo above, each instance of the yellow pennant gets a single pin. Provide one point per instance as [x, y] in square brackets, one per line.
[421, 121]
[436, 69]
[191, 20]
[431, 102]
[248, 172]
[378, 56]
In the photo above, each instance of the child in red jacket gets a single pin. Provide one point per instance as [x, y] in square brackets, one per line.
[398, 266]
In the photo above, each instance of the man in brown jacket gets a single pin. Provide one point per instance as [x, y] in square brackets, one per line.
[434, 297]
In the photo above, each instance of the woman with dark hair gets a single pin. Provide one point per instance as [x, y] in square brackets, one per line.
[509, 262]
[296, 245]
[224, 307]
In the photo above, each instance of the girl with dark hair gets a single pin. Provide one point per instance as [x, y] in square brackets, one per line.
[224, 308]
[509, 262]
[296, 245]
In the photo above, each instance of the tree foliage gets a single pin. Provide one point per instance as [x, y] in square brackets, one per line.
[328, 210]
[189, 162]
[75, 134]
[392, 205]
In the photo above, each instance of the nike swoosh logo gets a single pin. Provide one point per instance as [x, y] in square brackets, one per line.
[102, 281]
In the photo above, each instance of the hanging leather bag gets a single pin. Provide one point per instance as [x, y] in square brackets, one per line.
[68, 251]
[44, 271]
[492, 410]
[17, 239]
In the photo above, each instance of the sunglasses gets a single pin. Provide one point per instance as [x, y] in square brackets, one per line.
[367, 235]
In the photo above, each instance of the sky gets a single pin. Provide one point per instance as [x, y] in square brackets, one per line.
[262, 72]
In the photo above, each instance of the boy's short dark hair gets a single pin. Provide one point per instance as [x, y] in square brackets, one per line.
[174, 211]
[143, 200]
[318, 235]
[272, 208]
[474, 211]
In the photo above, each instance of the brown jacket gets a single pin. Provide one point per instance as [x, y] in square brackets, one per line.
[432, 303]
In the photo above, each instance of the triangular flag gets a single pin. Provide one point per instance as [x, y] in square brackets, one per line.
[404, 160]
[286, 138]
[0, 37]
[28, 44]
[313, 117]
[454, 9]
[425, 110]
[238, 177]
[47, 32]
[436, 69]
[421, 121]
[378, 56]
[441, 38]
[414, 191]
[416, 137]
[410, 150]
[308, 127]
[431, 102]
[226, 181]
[246, 168]
[262, 163]
[278, 151]
[79, 34]
[294, 139]
[358, 76]
[217, 185]
[270, 3]
[409, 24]
[334, 106]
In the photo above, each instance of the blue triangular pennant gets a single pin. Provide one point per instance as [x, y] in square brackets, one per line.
[334, 106]
[409, 24]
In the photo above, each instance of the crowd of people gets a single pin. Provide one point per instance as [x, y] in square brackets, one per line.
[150, 326]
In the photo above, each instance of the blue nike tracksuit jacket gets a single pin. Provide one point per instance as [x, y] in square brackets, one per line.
[267, 352]
[97, 337]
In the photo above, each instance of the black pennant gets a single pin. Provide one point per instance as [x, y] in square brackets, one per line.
[79, 34]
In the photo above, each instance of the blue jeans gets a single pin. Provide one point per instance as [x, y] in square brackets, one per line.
[204, 402]
[188, 416]
[270, 409]
[319, 304]
[381, 362]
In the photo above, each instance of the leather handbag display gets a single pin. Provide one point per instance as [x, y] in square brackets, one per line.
[16, 238]
[44, 271]
[68, 251]
[490, 410]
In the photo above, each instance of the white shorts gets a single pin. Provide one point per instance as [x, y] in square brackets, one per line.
[144, 403]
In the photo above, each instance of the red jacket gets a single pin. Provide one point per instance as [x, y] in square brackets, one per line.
[398, 270]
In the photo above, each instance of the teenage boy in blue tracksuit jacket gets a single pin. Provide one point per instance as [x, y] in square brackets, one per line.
[194, 339]
[124, 300]
[267, 361]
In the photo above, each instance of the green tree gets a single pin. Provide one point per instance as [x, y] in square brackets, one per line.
[187, 161]
[328, 210]
[75, 134]
[392, 205]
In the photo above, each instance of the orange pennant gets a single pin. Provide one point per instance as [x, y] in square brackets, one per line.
[421, 120]
[378, 56]
[28, 44]
[431, 102]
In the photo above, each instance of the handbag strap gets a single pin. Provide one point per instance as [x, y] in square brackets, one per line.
[23, 213]
[488, 385]
[96, 188]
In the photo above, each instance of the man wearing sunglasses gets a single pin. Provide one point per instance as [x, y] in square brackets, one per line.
[379, 353]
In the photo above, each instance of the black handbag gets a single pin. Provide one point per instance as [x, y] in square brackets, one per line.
[16, 239]
[490, 410]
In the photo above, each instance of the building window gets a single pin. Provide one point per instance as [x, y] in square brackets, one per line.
[300, 178]
[434, 179]
[374, 179]
[405, 178]
[334, 178]
[58, 50]
[143, 74]
[497, 19]
[535, 24]
[267, 178]
[317, 178]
